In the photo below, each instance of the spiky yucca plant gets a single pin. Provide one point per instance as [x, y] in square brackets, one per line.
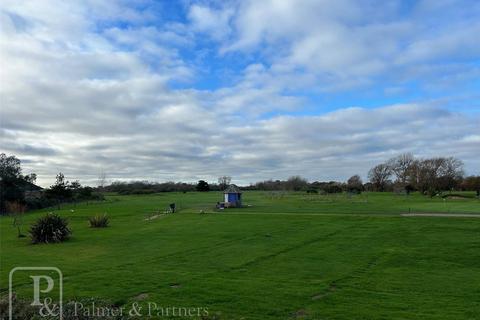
[50, 229]
[99, 221]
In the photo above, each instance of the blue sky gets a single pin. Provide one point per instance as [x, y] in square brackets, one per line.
[183, 90]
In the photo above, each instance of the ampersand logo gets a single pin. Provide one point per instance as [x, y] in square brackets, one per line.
[46, 289]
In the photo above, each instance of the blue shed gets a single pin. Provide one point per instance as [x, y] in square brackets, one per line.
[233, 196]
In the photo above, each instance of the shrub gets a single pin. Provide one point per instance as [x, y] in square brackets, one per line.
[50, 228]
[21, 309]
[99, 221]
[333, 188]
[40, 203]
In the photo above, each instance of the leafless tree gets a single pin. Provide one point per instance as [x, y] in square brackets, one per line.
[17, 209]
[355, 184]
[224, 181]
[450, 174]
[296, 183]
[401, 166]
[102, 180]
[379, 176]
[436, 174]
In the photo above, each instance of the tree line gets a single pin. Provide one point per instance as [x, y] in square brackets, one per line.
[429, 176]
[18, 191]
[403, 173]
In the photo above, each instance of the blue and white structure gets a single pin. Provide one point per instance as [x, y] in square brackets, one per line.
[232, 196]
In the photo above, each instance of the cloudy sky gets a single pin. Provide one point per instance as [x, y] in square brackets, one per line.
[165, 90]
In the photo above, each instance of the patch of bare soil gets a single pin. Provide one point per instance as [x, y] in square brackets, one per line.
[156, 216]
[141, 296]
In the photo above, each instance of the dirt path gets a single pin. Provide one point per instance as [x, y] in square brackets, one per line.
[447, 215]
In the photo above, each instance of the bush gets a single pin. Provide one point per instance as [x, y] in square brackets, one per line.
[40, 203]
[50, 228]
[99, 221]
[21, 309]
[333, 188]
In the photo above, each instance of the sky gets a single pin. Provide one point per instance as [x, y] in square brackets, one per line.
[189, 90]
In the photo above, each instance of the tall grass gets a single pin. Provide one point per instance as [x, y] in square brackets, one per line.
[99, 221]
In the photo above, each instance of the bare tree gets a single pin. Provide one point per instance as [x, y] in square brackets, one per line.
[379, 176]
[431, 173]
[450, 174]
[401, 166]
[102, 180]
[436, 174]
[355, 184]
[224, 181]
[17, 209]
[296, 183]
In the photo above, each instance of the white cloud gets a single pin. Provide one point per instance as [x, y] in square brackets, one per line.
[214, 22]
[79, 98]
[347, 43]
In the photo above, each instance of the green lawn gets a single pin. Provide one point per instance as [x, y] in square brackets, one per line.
[286, 256]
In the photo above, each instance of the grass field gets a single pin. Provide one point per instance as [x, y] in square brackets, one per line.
[285, 256]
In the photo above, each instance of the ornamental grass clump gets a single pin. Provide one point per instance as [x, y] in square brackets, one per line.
[99, 221]
[50, 229]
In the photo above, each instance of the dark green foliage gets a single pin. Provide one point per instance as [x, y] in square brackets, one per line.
[61, 190]
[39, 203]
[87, 193]
[65, 191]
[409, 188]
[203, 186]
[146, 187]
[333, 188]
[50, 229]
[21, 309]
[99, 221]
[12, 183]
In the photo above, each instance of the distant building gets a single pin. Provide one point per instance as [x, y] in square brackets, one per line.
[32, 191]
[233, 196]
